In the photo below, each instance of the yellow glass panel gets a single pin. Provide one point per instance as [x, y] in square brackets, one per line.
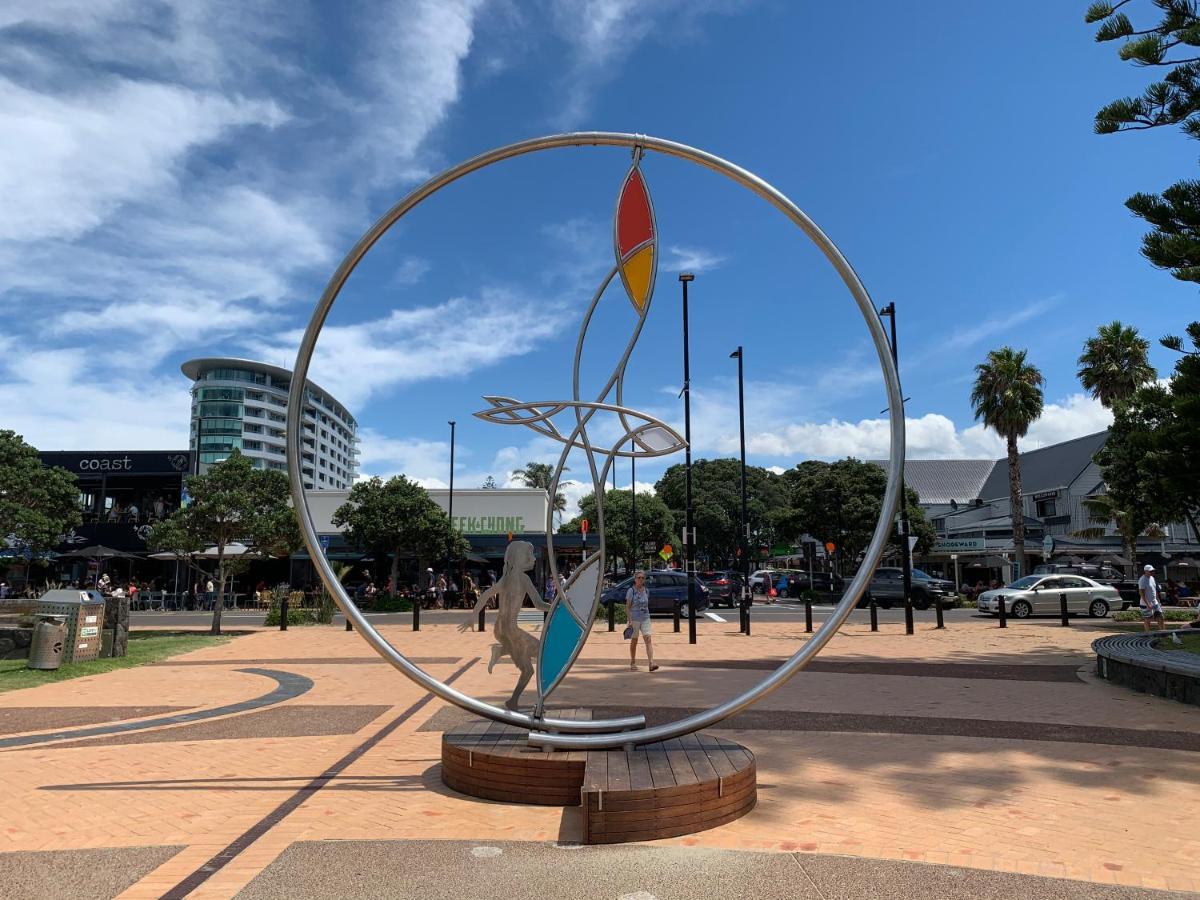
[639, 272]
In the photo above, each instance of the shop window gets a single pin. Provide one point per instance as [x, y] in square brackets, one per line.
[1046, 507]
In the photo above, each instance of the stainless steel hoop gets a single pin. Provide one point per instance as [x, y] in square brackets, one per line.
[564, 734]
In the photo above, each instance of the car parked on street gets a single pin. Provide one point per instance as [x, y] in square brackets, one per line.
[665, 587]
[887, 589]
[725, 587]
[1106, 575]
[1039, 595]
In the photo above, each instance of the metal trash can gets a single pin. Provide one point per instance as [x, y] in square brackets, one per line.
[84, 613]
[49, 641]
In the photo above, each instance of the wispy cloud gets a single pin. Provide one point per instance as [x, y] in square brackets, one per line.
[603, 33]
[692, 259]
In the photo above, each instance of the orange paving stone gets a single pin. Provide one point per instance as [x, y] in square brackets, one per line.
[1041, 807]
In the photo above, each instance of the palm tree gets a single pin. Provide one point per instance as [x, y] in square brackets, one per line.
[1115, 363]
[539, 475]
[1007, 396]
[1104, 510]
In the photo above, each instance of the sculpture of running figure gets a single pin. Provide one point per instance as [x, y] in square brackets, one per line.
[510, 593]
[576, 599]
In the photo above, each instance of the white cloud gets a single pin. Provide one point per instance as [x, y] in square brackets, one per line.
[410, 271]
[932, 436]
[691, 259]
[603, 33]
[443, 340]
[52, 398]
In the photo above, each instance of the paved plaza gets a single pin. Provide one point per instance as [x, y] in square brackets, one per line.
[970, 762]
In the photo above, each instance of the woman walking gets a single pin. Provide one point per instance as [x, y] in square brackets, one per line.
[637, 613]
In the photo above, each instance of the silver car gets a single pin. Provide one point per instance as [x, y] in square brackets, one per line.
[1038, 595]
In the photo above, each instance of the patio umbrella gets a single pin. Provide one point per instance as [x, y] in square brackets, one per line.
[100, 553]
[231, 549]
[1117, 560]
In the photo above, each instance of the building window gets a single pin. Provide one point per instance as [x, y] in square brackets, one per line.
[219, 409]
[221, 393]
[221, 426]
[1046, 507]
[235, 375]
[252, 445]
[213, 457]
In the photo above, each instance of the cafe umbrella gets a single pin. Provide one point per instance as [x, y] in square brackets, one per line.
[98, 553]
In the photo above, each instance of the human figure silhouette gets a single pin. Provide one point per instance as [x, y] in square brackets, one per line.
[510, 593]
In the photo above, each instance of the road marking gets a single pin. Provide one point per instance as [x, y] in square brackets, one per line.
[715, 617]
[486, 852]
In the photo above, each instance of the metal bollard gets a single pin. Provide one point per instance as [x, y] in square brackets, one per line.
[808, 614]
[1003, 614]
[747, 621]
[874, 615]
[1062, 608]
[612, 617]
[482, 613]
[676, 615]
[283, 613]
[349, 624]
[941, 620]
[416, 614]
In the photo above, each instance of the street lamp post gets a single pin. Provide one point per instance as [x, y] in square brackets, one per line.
[905, 553]
[450, 512]
[689, 527]
[745, 609]
[635, 545]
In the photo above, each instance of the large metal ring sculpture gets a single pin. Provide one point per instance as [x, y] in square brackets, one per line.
[599, 734]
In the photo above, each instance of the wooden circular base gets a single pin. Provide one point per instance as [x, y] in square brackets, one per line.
[659, 790]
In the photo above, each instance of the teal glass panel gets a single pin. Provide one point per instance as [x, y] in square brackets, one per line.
[558, 644]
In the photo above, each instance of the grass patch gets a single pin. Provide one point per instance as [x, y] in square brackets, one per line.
[144, 647]
[1191, 643]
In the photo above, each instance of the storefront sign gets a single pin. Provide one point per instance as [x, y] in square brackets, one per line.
[958, 545]
[490, 524]
[132, 462]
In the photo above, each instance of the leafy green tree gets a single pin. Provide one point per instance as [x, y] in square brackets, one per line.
[398, 517]
[1170, 44]
[1007, 397]
[1115, 363]
[232, 503]
[839, 503]
[1152, 456]
[38, 505]
[654, 522]
[539, 475]
[717, 505]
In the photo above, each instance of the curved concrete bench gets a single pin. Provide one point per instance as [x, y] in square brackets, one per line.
[1132, 660]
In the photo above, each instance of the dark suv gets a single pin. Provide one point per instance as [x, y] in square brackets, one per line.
[665, 588]
[887, 589]
[724, 588]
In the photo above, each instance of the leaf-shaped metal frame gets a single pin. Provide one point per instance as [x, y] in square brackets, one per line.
[555, 732]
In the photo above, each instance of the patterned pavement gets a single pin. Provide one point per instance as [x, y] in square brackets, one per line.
[991, 752]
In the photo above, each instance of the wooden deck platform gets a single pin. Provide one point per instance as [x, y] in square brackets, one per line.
[659, 790]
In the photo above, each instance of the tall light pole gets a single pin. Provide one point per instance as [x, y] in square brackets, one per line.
[689, 527]
[737, 354]
[905, 554]
[635, 544]
[450, 512]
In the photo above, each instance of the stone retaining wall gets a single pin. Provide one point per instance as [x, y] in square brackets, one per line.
[14, 642]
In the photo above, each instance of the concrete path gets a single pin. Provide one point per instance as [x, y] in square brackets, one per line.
[990, 753]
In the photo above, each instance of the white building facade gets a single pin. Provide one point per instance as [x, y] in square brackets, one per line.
[241, 404]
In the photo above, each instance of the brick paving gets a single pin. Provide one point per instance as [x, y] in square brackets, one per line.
[1009, 801]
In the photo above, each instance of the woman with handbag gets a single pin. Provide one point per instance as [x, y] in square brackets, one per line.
[637, 613]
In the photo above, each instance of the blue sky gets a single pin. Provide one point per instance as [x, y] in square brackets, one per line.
[180, 179]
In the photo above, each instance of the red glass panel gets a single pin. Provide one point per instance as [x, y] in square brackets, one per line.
[635, 225]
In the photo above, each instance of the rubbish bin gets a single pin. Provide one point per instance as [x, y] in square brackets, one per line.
[84, 614]
[49, 640]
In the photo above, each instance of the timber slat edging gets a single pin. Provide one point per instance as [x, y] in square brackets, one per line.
[665, 789]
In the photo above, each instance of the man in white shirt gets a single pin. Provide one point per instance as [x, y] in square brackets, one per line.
[1151, 608]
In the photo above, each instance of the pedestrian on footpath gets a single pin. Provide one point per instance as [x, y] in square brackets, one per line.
[1152, 610]
[637, 613]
